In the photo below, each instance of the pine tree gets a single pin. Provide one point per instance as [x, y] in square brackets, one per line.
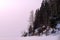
[30, 30]
[46, 18]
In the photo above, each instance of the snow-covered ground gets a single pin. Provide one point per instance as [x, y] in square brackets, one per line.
[55, 36]
[50, 37]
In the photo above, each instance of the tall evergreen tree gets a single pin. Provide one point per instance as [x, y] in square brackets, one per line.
[45, 18]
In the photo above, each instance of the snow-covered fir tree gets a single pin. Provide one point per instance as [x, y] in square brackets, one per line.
[46, 18]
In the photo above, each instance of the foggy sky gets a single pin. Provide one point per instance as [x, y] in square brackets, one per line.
[14, 17]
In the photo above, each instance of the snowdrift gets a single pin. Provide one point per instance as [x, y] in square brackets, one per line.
[50, 37]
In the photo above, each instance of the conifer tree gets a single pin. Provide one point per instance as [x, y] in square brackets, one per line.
[46, 18]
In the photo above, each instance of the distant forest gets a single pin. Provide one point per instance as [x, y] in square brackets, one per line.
[46, 19]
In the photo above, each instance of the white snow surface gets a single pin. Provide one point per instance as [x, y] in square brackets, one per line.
[55, 36]
[50, 37]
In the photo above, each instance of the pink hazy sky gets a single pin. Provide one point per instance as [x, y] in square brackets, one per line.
[14, 17]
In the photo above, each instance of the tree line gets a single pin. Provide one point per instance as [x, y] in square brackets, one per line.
[46, 18]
